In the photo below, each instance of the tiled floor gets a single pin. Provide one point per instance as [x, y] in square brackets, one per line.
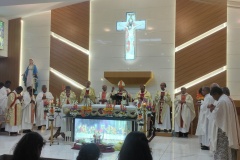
[163, 148]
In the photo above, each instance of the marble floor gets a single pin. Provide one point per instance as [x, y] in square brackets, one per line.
[163, 148]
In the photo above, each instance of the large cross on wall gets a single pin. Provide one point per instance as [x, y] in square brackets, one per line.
[130, 26]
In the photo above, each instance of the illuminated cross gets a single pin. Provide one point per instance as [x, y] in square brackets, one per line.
[130, 26]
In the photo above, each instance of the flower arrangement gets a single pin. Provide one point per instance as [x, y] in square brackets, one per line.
[144, 107]
[86, 110]
[57, 109]
[108, 110]
[123, 111]
[199, 97]
[74, 110]
[46, 106]
[57, 102]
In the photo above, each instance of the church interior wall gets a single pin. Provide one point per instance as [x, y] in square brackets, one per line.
[4, 51]
[9, 67]
[154, 46]
[72, 23]
[194, 18]
[233, 48]
[36, 45]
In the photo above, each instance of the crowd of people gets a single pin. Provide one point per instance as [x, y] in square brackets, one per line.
[135, 147]
[218, 125]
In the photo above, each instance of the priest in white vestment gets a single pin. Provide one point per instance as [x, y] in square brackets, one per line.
[163, 103]
[66, 97]
[226, 139]
[43, 98]
[14, 112]
[184, 112]
[88, 92]
[4, 91]
[28, 107]
[203, 121]
[103, 96]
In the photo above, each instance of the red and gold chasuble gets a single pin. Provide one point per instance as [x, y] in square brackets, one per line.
[87, 92]
[142, 95]
[183, 98]
[104, 94]
[13, 111]
[160, 107]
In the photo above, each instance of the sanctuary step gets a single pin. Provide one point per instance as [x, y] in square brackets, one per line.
[163, 134]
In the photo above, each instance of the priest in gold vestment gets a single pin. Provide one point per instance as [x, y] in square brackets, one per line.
[163, 103]
[14, 112]
[88, 92]
[66, 97]
[184, 112]
[143, 94]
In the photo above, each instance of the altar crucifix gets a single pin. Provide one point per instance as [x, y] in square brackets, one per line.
[130, 27]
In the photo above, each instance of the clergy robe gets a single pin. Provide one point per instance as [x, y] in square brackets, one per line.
[91, 92]
[28, 117]
[41, 118]
[184, 112]
[145, 94]
[124, 95]
[103, 96]
[226, 135]
[65, 122]
[163, 103]
[13, 113]
[203, 121]
[67, 100]
[3, 103]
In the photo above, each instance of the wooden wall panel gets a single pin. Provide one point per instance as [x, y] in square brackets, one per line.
[200, 58]
[9, 67]
[56, 84]
[195, 17]
[72, 23]
[192, 19]
[69, 61]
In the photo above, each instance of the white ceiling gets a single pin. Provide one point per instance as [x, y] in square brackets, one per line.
[11, 9]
